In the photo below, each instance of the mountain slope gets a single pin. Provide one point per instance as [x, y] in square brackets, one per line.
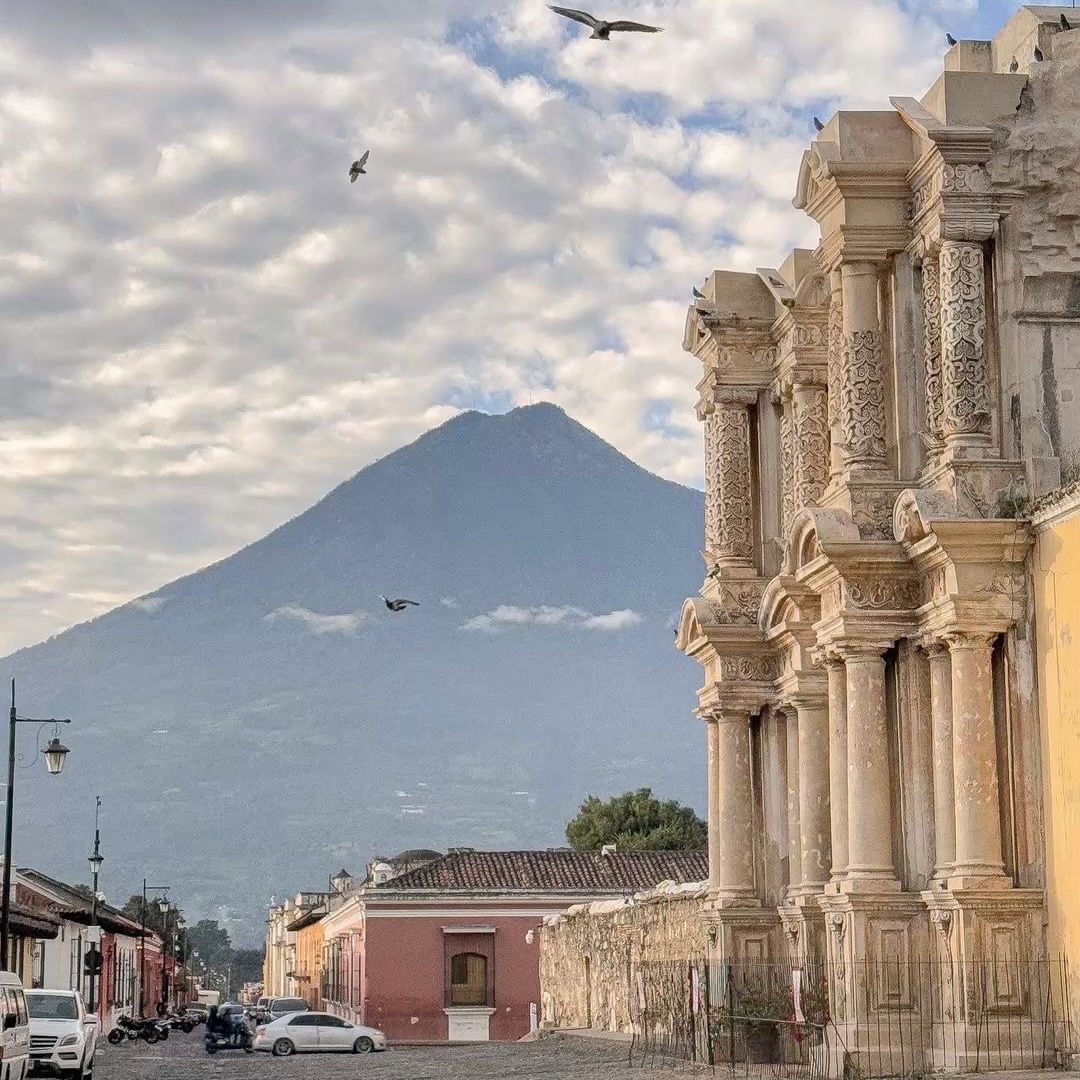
[296, 708]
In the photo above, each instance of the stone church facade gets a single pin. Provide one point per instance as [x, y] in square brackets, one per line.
[881, 415]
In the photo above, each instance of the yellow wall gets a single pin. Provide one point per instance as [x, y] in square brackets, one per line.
[309, 951]
[1057, 612]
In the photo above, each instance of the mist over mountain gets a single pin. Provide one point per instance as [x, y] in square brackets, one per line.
[260, 723]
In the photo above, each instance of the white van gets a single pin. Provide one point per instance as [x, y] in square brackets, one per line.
[14, 1029]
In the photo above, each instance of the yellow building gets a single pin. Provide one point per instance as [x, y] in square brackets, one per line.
[307, 975]
[1057, 614]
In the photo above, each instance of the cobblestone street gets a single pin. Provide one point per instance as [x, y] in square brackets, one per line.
[183, 1058]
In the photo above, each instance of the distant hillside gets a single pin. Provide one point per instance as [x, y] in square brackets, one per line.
[300, 714]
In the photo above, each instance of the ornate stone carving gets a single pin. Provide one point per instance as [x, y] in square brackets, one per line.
[932, 351]
[838, 926]
[872, 512]
[764, 356]
[934, 586]
[787, 467]
[965, 179]
[712, 482]
[836, 354]
[862, 398]
[749, 668]
[811, 450]
[805, 336]
[965, 385]
[738, 603]
[736, 536]
[877, 594]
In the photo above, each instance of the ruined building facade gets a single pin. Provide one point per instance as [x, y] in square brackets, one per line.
[881, 417]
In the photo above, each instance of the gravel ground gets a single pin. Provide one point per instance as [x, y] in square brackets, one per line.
[182, 1058]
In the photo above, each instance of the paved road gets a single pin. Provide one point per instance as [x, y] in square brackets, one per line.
[183, 1058]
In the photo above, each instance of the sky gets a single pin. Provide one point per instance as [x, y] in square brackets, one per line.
[206, 326]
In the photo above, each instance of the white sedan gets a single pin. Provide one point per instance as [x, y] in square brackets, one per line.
[309, 1032]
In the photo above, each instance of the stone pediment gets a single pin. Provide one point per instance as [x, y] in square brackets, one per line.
[812, 532]
[814, 172]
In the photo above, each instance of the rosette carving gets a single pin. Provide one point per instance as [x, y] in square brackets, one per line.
[862, 398]
[965, 385]
[751, 668]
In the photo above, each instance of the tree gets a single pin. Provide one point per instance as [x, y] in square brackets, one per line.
[247, 966]
[211, 941]
[636, 821]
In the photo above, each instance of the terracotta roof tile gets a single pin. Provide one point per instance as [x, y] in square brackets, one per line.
[555, 870]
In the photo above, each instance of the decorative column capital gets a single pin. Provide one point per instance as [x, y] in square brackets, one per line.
[737, 396]
[958, 640]
[862, 652]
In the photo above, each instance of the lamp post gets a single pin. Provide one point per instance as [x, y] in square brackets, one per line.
[95, 860]
[54, 753]
[163, 905]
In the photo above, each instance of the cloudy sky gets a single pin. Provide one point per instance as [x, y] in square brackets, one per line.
[205, 326]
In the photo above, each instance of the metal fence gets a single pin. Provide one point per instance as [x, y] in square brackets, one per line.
[888, 1019]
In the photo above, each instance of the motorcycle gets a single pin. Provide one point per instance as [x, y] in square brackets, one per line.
[127, 1028]
[230, 1032]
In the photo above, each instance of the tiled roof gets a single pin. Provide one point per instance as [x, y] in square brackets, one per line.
[79, 906]
[554, 870]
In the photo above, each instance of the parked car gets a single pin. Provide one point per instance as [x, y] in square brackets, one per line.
[310, 1032]
[195, 1009]
[282, 1006]
[258, 1012]
[63, 1035]
[15, 1029]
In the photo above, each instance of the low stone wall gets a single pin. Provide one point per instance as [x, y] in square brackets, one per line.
[591, 957]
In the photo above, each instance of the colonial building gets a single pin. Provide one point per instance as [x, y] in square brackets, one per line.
[880, 414]
[449, 951]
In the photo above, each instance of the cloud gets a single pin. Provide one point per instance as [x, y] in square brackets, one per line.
[507, 615]
[320, 624]
[207, 326]
[448, 601]
[150, 604]
[614, 620]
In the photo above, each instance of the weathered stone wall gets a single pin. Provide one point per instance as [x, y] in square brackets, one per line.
[1039, 274]
[591, 956]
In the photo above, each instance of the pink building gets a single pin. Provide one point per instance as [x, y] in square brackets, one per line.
[449, 952]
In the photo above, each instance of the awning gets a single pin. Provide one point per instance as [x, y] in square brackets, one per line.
[27, 922]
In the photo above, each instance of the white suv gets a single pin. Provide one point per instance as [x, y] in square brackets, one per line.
[63, 1035]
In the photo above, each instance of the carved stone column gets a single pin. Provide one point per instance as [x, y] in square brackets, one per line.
[791, 727]
[862, 389]
[941, 721]
[713, 737]
[734, 805]
[975, 774]
[787, 463]
[870, 859]
[811, 443]
[932, 355]
[734, 525]
[836, 370]
[838, 764]
[815, 826]
[965, 382]
[713, 421]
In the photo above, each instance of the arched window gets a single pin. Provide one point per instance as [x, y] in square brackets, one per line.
[468, 979]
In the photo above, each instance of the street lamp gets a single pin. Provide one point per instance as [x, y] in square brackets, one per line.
[163, 903]
[54, 753]
[93, 961]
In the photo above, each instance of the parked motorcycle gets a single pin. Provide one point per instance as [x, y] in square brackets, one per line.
[127, 1028]
[228, 1030]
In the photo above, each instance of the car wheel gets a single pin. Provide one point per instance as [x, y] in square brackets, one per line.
[283, 1048]
[363, 1045]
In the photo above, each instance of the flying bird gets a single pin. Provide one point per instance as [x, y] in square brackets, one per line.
[357, 167]
[1038, 55]
[602, 28]
[1064, 23]
[1014, 67]
[397, 605]
[950, 39]
[818, 125]
[698, 294]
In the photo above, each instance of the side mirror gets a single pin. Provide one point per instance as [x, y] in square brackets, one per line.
[10, 1020]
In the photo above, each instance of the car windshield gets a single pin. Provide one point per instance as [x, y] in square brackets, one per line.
[289, 1005]
[52, 1007]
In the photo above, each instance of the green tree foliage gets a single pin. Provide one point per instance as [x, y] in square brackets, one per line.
[155, 921]
[636, 821]
[212, 943]
[247, 966]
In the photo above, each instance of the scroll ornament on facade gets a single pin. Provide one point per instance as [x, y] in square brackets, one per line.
[736, 539]
[862, 397]
[965, 387]
[712, 483]
[787, 470]
[811, 446]
[932, 350]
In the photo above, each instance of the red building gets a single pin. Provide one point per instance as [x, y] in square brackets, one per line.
[449, 952]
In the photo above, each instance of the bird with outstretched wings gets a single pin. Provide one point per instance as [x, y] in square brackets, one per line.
[602, 29]
[357, 167]
[398, 605]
